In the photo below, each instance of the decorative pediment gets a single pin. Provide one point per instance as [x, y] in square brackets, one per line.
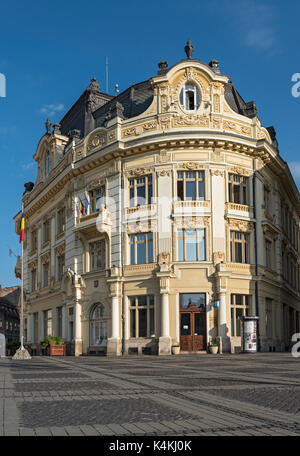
[239, 170]
[137, 172]
[192, 222]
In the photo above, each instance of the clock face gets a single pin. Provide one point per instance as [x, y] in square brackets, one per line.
[190, 98]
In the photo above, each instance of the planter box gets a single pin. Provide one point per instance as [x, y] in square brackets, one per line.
[175, 350]
[56, 350]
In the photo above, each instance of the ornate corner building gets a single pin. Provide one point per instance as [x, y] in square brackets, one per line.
[159, 217]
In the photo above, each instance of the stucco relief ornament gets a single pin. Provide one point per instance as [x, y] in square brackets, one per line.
[164, 257]
[218, 257]
[97, 140]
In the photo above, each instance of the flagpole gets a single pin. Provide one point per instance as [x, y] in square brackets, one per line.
[22, 296]
[22, 353]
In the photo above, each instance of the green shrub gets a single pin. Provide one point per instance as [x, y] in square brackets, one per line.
[51, 340]
[12, 345]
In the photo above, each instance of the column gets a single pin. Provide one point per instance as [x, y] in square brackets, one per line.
[222, 323]
[164, 345]
[115, 318]
[29, 326]
[114, 346]
[165, 320]
[77, 324]
[64, 322]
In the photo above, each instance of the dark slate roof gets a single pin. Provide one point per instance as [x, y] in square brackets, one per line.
[135, 100]
[237, 103]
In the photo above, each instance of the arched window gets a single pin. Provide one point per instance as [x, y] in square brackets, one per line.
[47, 164]
[98, 325]
[190, 98]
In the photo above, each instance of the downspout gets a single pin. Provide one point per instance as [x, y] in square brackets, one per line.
[256, 257]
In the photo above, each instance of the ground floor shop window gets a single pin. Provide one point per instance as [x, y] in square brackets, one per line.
[240, 307]
[141, 316]
[99, 325]
[48, 323]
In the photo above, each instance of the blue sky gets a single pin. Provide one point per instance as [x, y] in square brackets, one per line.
[50, 50]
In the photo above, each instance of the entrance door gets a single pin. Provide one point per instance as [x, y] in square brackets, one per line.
[192, 322]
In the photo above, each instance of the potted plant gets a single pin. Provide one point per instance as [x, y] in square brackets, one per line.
[55, 346]
[11, 347]
[213, 348]
[175, 349]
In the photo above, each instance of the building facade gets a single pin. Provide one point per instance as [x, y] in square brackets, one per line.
[159, 217]
[9, 315]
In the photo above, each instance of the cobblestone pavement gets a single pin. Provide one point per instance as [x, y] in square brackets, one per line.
[177, 395]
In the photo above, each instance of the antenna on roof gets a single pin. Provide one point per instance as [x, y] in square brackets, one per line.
[106, 67]
[116, 89]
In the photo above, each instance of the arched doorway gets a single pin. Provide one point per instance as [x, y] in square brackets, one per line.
[99, 320]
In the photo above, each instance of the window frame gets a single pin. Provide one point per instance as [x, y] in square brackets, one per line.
[134, 185]
[193, 88]
[136, 307]
[61, 221]
[134, 241]
[243, 186]
[198, 238]
[93, 199]
[199, 178]
[246, 310]
[92, 255]
[245, 242]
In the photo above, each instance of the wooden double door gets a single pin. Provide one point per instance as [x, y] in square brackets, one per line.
[192, 330]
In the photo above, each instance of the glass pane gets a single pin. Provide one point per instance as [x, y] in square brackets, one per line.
[151, 322]
[150, 248]
[185, 324]
[180, 250]
[142, 300]
[190, 190]
[200, 190]
[132, 301]
[132, 257]
[190, 246]
[193, 300]
[131, 196]
[132, 322]
[199, 329]
[141, 195]
[201, 237]
[236, 191]
[232, 322]
[142, 322]
[239, 314]
[149, 193]
[180, 190]
[238, 252]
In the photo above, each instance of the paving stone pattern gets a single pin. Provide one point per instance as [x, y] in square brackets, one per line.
[160, 396]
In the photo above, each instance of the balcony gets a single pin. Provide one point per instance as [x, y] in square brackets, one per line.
[239, 210]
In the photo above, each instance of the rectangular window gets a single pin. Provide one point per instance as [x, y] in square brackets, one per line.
[33, 240]
[45, 273]
[192, 300]
[33, 279]
[140, 191]
[238, 189]
[191, 185]
[35, 327]
[239, 247]
[97, 255]
[191, 245]
[269, 316]
[46, 231]
[97, 199]
[59, 321]
[268, 254]
[240, 306]
[61, 221]
[47, 323]
[141, 315]
[60, 267]
[266, 200]
[141, 248]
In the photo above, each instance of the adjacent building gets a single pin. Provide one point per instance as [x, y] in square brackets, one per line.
[9, 315]
[161, 216]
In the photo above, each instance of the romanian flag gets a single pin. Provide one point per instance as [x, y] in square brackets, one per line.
[22, 227]
[81, 207]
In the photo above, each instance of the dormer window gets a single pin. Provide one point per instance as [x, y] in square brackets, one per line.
[190, 98]
[47, 164]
